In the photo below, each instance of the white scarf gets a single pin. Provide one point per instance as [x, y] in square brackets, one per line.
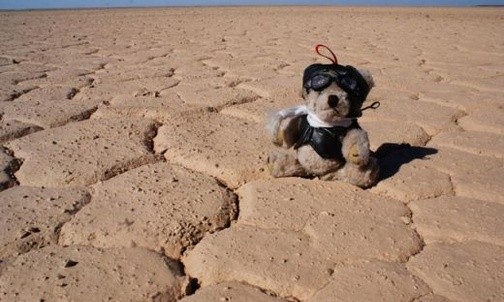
[312, 118]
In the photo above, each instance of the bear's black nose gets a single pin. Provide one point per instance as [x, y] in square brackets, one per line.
[333, 101]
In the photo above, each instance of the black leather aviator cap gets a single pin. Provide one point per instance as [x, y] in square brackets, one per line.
[316, 76]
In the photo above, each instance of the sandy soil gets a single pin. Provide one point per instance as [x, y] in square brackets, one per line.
[134, 150]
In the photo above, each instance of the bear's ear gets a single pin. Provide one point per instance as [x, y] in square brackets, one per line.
[367, 76]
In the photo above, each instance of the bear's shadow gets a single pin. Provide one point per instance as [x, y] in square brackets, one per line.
[392, 156]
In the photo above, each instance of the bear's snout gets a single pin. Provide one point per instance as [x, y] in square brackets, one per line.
[333, 101]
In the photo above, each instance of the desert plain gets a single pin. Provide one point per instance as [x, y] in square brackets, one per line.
[134, 156]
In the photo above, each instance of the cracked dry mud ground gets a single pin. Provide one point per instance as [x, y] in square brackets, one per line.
[134, 147]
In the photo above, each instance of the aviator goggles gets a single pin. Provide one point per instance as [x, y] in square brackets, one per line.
[346, 77]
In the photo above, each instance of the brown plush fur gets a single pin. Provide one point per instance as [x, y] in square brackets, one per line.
[359, 168]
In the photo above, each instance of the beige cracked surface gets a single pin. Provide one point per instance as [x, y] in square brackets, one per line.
[382, 281]
[79, 273]
[83, 153]
[232, 291]
[31, 217]
[157, 206]
[134, 157]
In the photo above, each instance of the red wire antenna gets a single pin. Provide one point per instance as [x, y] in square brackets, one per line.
[333, 59]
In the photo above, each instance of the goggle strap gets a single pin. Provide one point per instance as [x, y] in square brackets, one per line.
[374, 105]
[333, 59]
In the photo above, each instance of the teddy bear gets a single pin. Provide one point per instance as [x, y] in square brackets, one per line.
[322, 138]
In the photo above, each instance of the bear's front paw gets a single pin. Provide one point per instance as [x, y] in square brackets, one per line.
[357, 157]
[278, 138]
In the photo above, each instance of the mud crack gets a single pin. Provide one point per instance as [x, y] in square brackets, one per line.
[227, 214]
[416, 233]
[12, 167]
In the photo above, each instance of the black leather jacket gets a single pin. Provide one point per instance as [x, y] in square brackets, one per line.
[327, 142]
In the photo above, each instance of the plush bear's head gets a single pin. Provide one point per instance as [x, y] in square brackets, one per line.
[333, 91]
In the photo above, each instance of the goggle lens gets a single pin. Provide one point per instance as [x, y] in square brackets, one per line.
[348, 83]
[320, 82]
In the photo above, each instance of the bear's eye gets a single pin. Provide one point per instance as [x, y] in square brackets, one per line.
[320, 82]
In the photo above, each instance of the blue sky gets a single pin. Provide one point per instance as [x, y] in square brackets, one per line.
[26, 4]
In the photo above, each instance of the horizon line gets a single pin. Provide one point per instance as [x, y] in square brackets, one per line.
[247, 5]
